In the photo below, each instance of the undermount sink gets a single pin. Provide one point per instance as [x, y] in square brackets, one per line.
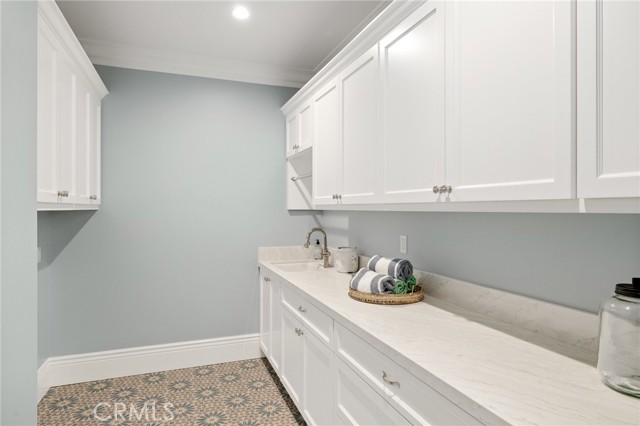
[299, 265]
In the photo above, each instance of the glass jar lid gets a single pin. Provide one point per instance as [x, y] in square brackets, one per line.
[629, 290]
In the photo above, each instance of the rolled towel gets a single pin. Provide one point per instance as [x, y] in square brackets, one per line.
[369, 282]
[397, 268]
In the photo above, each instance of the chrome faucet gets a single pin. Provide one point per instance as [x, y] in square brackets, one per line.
[325, 251]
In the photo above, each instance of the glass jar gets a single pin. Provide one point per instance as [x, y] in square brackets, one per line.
[619, 349]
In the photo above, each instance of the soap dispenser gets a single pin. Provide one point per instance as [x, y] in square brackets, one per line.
[619, 350]
[317, 250]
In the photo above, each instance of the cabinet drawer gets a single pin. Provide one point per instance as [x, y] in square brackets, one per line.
[358, 404]
[313, 318]
[415, 400]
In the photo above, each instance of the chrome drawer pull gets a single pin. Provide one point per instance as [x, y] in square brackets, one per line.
[391, 382]
[267, 279]
[301, 309]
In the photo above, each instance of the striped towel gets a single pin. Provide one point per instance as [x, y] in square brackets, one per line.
[398, 268]
[369, 282]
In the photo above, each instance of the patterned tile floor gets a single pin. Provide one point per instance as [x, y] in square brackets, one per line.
[244, 393]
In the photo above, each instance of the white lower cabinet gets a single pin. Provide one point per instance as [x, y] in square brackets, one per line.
[306, 370]
[317, 401]
[334, 376]
[292, 368]
[358, 404]
[270, 319]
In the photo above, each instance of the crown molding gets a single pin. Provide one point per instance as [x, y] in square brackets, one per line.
[49, 15]
[140, 58]
[390, 16]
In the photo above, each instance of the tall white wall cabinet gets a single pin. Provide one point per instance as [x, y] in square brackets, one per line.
[69, 109]
[478, 106]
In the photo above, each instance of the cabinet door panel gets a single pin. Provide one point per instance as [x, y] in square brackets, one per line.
[275, 350]
[608, 99]
[327, 149]
[83, 114]
[318, 381]
[509, 100]
[95, 147]
[66, 146]
[47, 160]
[265, 314]
[305, 118]
[357, 404]
[360, 149]
[412, 58]
[292, 356]
[292, 133]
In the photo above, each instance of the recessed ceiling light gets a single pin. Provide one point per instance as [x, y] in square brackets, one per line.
[240, 12]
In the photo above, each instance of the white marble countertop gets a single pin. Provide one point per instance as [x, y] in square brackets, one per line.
[496, 375]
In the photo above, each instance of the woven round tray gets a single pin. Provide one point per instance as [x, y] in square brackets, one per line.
[388, 299]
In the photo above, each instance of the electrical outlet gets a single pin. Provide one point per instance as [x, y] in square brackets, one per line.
[403, 244]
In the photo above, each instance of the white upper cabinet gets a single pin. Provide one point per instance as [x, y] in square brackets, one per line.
[300, 130]
[509, 100]
[47, 158]
[293, 134]
[327, 150]
[69, 98]
[412, 71]
[464, 105]
[360, 135]
[608, 99]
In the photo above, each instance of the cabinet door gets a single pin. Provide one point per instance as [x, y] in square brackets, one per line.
[305, 118]
[318, 384]
[361, 175]
[67, 132]
[265, 313]
[327, 149]
[293, 133]
[357, 404]
[275, 324]
[608, 99]
[412, 70]
[47, 159]
[509, 100]
[292, 356]
[83, 129]
[95, 148]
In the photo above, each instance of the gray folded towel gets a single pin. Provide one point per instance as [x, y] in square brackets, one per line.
[369, 282]
[397, 268]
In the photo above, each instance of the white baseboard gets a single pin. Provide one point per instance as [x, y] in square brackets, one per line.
[65, 370]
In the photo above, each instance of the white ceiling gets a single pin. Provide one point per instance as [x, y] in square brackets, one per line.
[283, 42]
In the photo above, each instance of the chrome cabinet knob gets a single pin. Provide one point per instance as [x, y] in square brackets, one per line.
[445, 189]
[93, 197]
[340, 196]
[63, 193]
[334, 196]
[301, 309]
[436, 189]
[267, 279]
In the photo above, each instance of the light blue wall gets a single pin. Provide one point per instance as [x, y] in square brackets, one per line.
[193, 181]
[18, 287]
[570, 259]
